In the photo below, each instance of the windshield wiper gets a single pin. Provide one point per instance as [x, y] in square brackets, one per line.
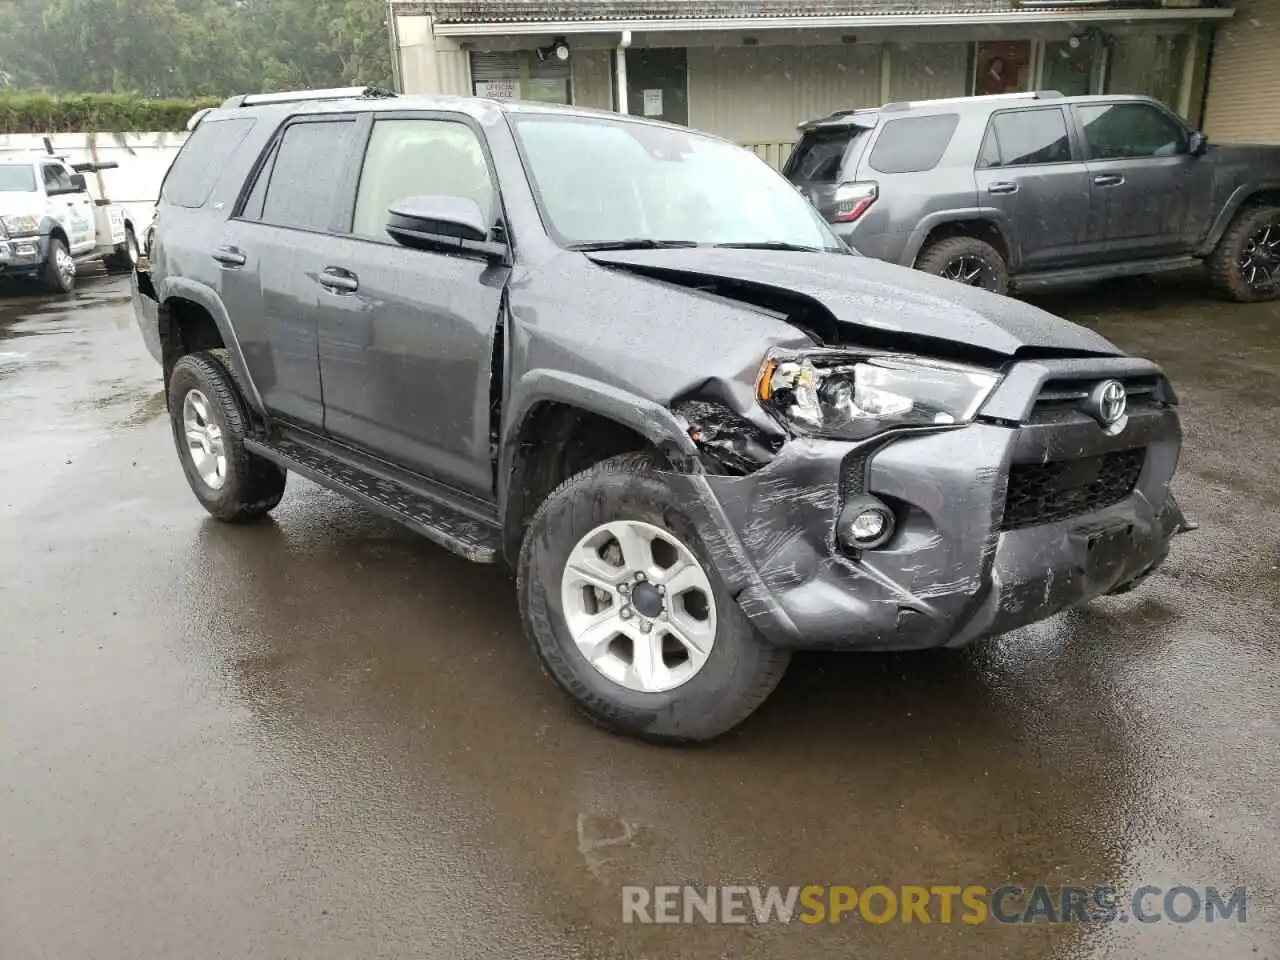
[635, 243]
[773, 245]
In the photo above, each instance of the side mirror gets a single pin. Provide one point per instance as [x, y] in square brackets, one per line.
[1198, 143]
[78, 184]
[448, 223]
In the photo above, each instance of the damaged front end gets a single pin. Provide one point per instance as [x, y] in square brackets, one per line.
[1001, 500]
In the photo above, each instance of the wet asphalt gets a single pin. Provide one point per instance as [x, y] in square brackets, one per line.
[321, 737]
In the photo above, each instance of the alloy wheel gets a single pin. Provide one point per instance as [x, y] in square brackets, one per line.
[204, 440]
[639, 606]
[970, 270]
[1260, 259]
[65, 265]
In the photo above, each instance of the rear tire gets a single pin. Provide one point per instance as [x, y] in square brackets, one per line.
[59, 272]
[1241, 242]
[957, 258]
[124, 260]
[678, 694]
[210, 421]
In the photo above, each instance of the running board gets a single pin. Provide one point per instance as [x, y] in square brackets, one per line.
[1102, 271]
[467, 536]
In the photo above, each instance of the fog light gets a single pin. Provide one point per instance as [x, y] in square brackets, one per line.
[864, 524]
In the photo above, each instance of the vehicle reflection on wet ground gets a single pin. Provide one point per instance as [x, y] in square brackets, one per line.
[323, 737]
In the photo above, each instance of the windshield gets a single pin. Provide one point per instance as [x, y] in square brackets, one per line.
[16, 178]
[600, 180]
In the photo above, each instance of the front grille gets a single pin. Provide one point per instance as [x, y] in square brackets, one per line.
[1060, 400]
[1048, 492]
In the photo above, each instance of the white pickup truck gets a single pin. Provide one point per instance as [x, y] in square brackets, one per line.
[49, 222]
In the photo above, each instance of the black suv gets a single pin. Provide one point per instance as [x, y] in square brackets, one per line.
[1029, 190]
[630, 360]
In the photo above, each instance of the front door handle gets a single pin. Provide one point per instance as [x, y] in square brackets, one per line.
[1002, 186]
[339, 280]
[230, 257]
[1108, 180]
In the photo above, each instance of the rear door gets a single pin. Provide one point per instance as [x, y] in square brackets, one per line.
[1141, 175]
[817, 163]
[406, 336]
[268, 252]
[1028, 170]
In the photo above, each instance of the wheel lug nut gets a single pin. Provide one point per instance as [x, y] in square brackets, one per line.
[640, 578]
[645, 626]
[625, 614]
[661, 588]
[624, 588]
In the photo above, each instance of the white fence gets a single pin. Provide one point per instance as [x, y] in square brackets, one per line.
[143, 159]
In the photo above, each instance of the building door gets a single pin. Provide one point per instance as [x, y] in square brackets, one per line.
[658, 84]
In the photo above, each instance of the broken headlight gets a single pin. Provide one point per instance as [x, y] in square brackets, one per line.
[851, 399]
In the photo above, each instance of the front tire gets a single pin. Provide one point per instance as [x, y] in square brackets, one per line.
[59, 273]
[209, 423]
[966, 260]
[1245, 265]
[678, 662]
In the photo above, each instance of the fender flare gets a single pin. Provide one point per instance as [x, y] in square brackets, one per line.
[207, 298]
[646, 417]
[47, 227]
[993, 215]
[1239, 197]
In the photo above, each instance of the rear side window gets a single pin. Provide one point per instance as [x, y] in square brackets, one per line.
[1026, 137]
[913, 144]
[819, 155]
[202, 159]
[305, 187]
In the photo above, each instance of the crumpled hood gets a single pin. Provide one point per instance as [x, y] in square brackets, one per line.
[869, 294]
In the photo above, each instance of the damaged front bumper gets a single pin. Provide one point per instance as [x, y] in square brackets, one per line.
[981, 545]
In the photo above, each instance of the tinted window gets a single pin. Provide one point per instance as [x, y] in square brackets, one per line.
[418, 158]
[304, 190]
[818, 156]
[913, 144]
[1122, 131]
[1027, 137]
[258, 195]
[56, 178]
[202, 159]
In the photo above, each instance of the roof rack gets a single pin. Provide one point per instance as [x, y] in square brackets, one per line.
[291, 96]
[899, 105]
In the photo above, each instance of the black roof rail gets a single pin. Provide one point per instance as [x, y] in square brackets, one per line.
[900, 105]
[292, 96]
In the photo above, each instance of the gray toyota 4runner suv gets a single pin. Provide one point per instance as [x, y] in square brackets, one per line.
[1031, 190]
[631, 361]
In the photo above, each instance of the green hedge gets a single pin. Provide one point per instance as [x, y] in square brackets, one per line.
[96, 112]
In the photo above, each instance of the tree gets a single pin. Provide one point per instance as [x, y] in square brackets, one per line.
[192, 47]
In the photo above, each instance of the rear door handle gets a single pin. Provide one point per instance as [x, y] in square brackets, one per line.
[339, 280]
[1108, 179]
[230, 257]
[1002, 186]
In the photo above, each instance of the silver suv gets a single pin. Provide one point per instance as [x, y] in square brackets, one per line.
[1036, 189]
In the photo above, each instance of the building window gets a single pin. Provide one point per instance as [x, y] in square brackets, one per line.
[1148, 65]
[1002, 67]
[520, 75]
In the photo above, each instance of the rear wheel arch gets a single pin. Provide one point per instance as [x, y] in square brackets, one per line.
[980, 228]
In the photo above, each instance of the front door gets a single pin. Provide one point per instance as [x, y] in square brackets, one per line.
[658, 84]
[71, 207]
[1142, 179]
[1028, 171]
[407, 336]
[266, 261]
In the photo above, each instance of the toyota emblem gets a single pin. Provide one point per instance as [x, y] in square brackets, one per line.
[1107, 403]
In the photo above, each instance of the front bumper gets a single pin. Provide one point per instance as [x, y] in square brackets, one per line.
[950, 574]
[21, 256]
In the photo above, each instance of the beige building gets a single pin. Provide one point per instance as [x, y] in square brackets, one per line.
[1244, 83]
[751, 70]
